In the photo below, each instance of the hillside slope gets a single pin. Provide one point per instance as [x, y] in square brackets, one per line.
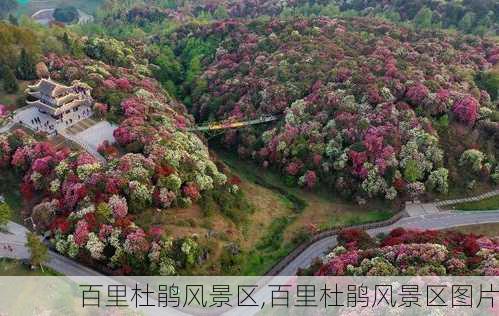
[370, 108]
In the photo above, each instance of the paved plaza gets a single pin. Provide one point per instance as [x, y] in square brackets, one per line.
[76, 126]
[41, 122]
[97, 134]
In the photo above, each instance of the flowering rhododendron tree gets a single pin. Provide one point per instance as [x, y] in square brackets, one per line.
[118, 206]
[5, 152]
[374, 111]
[411, 252]
[84, 210]
[473, 159]
[417, 93]
[466, 109]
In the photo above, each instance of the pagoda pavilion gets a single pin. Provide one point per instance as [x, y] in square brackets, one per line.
[59, 101]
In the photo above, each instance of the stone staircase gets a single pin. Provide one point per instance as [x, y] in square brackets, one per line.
[85, 146]
[417, 208]
[81, 126]
[469, 199]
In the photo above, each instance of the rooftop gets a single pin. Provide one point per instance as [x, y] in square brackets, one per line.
[51, 88]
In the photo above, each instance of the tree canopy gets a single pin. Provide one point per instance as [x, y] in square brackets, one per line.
[67, 14]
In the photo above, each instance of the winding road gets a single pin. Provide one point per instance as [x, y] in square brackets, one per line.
[442, 220]
[12, 245]
[16, 238]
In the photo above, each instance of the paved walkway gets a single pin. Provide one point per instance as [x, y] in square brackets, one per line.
[87, 147]
[95, 135]
[12, 242]
[47, 123]
[6, 127]
[417, 209]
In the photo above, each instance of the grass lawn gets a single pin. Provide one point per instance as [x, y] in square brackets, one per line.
[483, 205]
[282, 217]
[307, 211]
[10, 99]
[491, 229]
[10, 267]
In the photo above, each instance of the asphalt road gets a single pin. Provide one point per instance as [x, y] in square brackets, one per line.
[433, 221]
[12, 246]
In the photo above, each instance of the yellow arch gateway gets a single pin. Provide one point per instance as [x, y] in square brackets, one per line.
[218, 125]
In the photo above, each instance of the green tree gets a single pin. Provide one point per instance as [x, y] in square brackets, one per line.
[38, 250]
[424, 18]
[26, 66]
[412, 173]
[13, 20]
[489, 81]
[66, 14]
[7, 6]
[331, 11]
[484, 25]
[221, 13]
[66, 40]
[393, 16]
[467, 22]
[9, 81]
[193, 70]
[5, 214]
[169, 72]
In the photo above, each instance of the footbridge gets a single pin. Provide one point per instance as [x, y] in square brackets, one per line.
[214, 126]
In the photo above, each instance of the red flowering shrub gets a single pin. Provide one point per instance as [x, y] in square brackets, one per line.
[417, 93]
[466, 109]
[60, 224]
[81, 233]
[310, 179]
[412, 252]
[234, 180]
[354, 237]
[471, 246]
[191, 191]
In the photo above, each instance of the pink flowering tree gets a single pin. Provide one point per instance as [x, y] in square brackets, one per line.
[118, 206]
[466, 109]
[417, 93]
[81, 232]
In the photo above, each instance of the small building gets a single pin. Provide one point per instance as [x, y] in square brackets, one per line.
[58, 100]
[55, 107]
